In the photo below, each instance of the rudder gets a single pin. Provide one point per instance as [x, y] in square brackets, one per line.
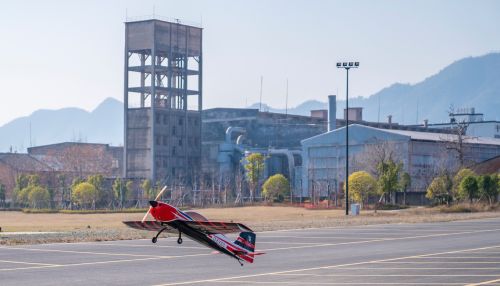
[246, 240]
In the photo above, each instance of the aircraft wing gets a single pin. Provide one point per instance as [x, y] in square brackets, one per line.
[150, 225]
[211, 227]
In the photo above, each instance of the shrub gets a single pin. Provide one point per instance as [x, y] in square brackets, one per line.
[38, 197]
[276, 188]
[84, 194]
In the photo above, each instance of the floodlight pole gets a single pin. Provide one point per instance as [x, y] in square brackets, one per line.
[347, 66]
[347, 143]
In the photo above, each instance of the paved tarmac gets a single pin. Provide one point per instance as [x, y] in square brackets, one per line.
[452, 253]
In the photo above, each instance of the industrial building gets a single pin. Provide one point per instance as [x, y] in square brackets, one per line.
[162, 101]
[423, 154]
[472, 122]
[230, 134]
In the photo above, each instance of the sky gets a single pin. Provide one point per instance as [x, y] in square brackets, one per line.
[56, 54]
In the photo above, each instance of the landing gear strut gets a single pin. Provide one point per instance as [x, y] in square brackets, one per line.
[155, 239]
[179, 240]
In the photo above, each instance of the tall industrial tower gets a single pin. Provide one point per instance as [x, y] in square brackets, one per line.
[163, 68]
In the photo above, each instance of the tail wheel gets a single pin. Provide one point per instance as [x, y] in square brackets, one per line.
[154, 240]
[179, 240]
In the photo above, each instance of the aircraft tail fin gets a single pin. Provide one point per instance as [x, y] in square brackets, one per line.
[246, 240]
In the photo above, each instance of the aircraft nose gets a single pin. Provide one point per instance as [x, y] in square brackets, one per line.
[153, 203]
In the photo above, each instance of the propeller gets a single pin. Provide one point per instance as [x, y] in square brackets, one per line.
[157, 197]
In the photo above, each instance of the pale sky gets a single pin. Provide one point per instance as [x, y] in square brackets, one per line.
[56, 54]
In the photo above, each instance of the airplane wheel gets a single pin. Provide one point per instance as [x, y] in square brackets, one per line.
[154, 240]
[179, 241]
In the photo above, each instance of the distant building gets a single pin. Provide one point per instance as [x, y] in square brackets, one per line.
[13, 164]
[474, 123]
[69, 159]
[423, 155]
[490, 166]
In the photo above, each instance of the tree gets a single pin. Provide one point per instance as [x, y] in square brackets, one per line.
[148, 189]
[254, 168]
[405, 183]
[488, 187]
[388, 180]
[21, 183]
[457, 179]
[24, 185]
[119, 191]
[38, 197]
[456, 142]
[84, 194]
[97, 181]
[276, 187]
[361, 186]
[2, 195]
[129, 186]
[468, 188]
[440, 190]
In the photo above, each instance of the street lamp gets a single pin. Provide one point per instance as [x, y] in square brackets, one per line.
[347, 66]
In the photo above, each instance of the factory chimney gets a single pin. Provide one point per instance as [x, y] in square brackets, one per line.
[389, 120]
[332, 112]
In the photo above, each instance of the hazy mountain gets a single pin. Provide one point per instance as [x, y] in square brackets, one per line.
[102, 125]
[470, 82]
[301, 109]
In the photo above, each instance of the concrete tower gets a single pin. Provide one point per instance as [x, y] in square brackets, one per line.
[163, 68]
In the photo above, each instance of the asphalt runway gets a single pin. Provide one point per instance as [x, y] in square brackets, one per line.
[452, 253]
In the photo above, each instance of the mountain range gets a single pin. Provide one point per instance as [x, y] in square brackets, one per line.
[469, 82]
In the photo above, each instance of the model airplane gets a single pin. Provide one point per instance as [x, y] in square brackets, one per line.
[195, 226]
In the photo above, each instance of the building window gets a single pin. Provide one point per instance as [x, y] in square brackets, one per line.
[165, 140]
[158, 118]
[173, 171]
[173, 130]
[165, 120]
[173, 151]
[181, 121]
[180, 142]
[158, 140]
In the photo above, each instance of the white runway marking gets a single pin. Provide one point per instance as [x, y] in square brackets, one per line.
[484, 283]
[85, 252]
[335, 283]
[223, 279]
[106, 262]
[389, 275]
[383, 239]
[29, 263]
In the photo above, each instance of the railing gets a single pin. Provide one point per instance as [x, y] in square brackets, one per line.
[162, 18]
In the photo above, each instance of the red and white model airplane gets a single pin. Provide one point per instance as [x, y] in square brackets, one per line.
[195, 226]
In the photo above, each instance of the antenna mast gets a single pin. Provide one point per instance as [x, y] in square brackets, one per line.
[260, 101]
[286, 101]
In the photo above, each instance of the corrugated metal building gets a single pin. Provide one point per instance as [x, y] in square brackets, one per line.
[423, 155]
